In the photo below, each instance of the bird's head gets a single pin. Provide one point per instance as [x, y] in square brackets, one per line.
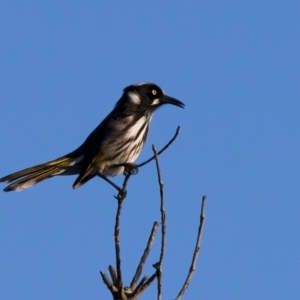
[148, 95]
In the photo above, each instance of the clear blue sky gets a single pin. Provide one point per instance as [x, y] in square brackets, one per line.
[235, 64]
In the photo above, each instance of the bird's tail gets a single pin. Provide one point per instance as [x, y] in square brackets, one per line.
[26, 178]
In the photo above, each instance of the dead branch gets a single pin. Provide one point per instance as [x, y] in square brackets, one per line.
[144, 257]
[115, 285]
[158, 265]
[117, 244]
[196, 252]
[162, 150]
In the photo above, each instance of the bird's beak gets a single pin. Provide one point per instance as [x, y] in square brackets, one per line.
[169, 100]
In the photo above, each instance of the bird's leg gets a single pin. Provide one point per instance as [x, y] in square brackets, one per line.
[122, 191]
[110, 182]
[130, 169]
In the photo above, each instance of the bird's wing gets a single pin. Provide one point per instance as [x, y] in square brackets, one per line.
[95, 148]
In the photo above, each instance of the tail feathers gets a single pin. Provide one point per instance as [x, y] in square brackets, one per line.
[28, 177]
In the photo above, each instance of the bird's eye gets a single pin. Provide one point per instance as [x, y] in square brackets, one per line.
[154, 92]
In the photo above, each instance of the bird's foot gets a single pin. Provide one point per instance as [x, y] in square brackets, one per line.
[130, 169]
[121, 195]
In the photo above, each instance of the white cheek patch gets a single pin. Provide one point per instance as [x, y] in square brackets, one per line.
[134, 98]
[155, 101]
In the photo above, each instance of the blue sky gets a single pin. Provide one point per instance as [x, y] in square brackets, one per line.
[235, 64]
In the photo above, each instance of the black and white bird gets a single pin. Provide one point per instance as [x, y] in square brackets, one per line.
[118, 139]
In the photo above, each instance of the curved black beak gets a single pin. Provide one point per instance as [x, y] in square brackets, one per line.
[169, 100]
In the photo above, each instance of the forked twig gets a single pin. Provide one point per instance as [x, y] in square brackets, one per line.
[144, 257]
[134, 290]
[146, 285]
[196, 252]
[140, 287]
[107, 281]
[115, 287]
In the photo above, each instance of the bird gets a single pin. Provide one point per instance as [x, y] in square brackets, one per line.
[118, 139]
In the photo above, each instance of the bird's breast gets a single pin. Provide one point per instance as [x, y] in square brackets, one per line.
[124, 146]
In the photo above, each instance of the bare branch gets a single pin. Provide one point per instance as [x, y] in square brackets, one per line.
[134, 290]
[162, 150]
[107, 282]
[113, 275]
[146, 285]
[158, 266]
[117, 243]
[139, 289]
[145, 255]
[196, 252]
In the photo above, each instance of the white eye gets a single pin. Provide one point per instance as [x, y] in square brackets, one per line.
[154, 92]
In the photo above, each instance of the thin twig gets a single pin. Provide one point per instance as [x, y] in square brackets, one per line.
[145, 255]
[158, 265]
[117, 243]
[196, 252]
[113, 275]
[147, 284]
[162, 150]
[107, 282]
[116, 287]
[137, 290]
